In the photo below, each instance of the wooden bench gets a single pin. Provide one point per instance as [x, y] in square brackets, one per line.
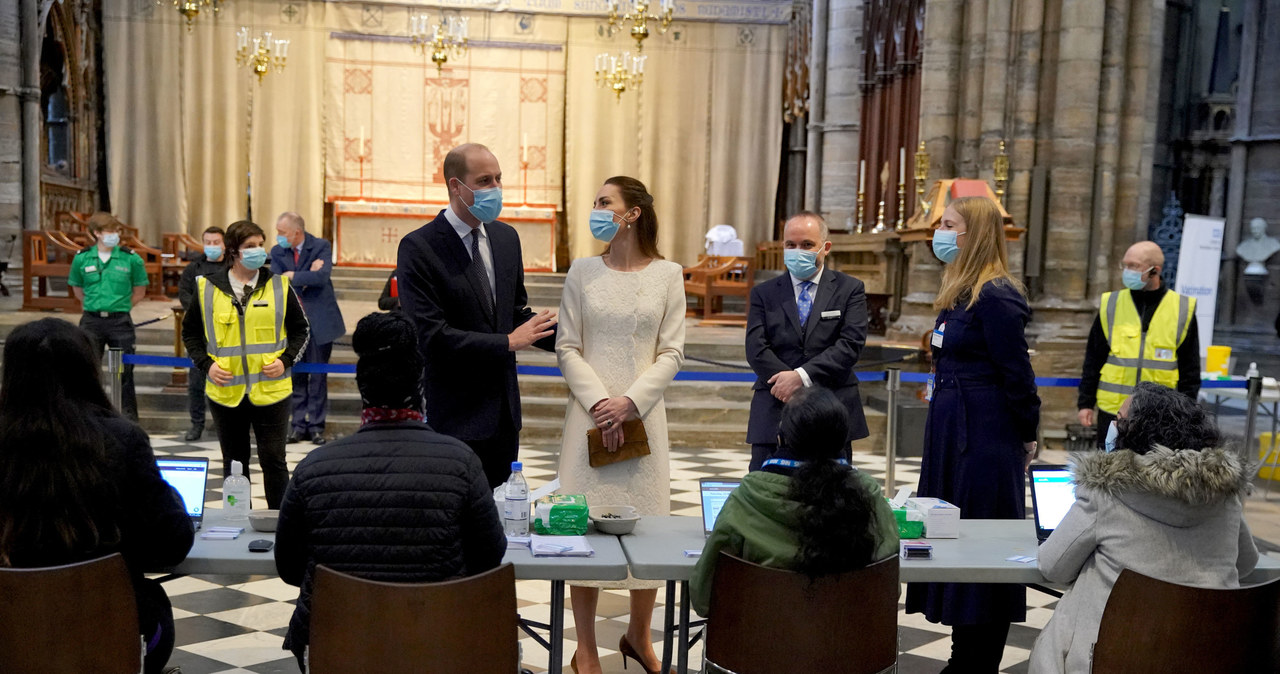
[43, 259]
[713, 279]
[769, 256]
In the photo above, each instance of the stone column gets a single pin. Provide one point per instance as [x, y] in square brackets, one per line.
[30, 95]
[10, 120]
[840, 140]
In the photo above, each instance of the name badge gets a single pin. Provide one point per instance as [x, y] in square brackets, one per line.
[91, 268]
[1164, 354]
[937, 335]
[830, 314]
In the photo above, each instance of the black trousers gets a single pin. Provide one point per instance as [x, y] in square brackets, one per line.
[116, 330]
[270, 425]
[1101, 422]
[195, 396]
[497, 451]
[977, 649]
[761, 452]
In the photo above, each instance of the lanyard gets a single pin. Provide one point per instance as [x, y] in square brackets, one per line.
[792, 463]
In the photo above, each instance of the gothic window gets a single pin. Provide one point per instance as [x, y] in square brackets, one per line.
[58, 128]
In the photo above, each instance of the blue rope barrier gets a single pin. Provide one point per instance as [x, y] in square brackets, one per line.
[687, 375]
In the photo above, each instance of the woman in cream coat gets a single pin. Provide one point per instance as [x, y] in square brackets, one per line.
[1171, 514]
[620, 343]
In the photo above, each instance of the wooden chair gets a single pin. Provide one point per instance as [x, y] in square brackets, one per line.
[181, 245]
[713, 279]
[69, 619]
[769, 256]
[1153, 626]
[44, 259]
[466, 625]
[153, 260]
[766, 621]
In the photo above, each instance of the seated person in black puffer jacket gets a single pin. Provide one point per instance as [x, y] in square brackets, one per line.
[394, 473]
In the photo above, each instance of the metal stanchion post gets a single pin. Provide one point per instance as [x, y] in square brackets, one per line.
[115, 368]
[1251, 419]
[893, 382]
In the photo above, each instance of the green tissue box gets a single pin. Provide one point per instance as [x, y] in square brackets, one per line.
[907, 528]
[560, 515]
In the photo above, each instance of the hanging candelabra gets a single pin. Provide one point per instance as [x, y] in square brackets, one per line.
[1001, 173]
[921, 176]
[443, 39]
[190, 9]
[618, 73]
[637, 13]
[260, 54]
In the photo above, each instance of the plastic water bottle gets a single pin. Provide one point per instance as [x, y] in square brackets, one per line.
[515, 507]
[1253, 371]
[235, 494]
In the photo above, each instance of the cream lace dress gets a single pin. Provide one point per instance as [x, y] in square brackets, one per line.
[620, 334]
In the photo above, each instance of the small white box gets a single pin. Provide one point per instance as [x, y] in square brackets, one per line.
[941, 519]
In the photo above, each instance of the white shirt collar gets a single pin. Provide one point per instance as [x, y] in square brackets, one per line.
[795, 282]
[462, 228]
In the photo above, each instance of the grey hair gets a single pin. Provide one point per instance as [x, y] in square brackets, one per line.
[293, 219]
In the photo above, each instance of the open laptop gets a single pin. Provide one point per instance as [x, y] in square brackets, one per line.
[188, 475]
[715, 491]
[1052, 494]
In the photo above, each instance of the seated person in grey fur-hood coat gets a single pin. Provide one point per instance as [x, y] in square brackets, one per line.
[1171, 514]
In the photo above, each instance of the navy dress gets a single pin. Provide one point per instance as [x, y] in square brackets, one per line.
[984, 408]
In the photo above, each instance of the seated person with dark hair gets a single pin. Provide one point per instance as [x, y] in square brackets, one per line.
[78, 480]
[822, 517]
[399, 501]
[1164, 501]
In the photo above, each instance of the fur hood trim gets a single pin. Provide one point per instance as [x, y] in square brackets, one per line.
[1193, 477]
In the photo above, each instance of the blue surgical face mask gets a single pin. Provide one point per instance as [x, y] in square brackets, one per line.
[801, 263]
[111, 239]
[253, 258]
[603, 225]
[283, 241]
[213, 253]
[945, 246]
[487, 203]
[1133, 279]
[1112, 435]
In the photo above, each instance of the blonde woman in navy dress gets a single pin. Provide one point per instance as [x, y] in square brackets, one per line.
[981, 431]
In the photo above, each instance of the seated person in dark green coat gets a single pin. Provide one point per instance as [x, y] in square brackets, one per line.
[806, 509]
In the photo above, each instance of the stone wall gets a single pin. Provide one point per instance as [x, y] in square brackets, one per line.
[10, 122]
[1071, 86]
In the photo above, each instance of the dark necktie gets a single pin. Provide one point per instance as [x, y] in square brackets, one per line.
[480, 275]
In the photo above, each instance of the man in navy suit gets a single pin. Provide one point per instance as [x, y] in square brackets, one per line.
[461, 281]
[804, 328]
[308, 262]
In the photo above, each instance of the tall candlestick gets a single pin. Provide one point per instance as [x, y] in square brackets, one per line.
[902, 164]
[862, 177]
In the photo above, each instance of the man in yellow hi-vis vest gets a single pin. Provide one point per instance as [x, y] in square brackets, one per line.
[1145, 332]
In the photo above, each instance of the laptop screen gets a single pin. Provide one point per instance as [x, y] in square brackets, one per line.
[714, 493]
[188, 477]
[1052, 494]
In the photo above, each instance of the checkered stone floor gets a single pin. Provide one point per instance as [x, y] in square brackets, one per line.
[236, 624]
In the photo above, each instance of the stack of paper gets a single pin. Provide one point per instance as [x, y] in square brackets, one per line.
[221, 533]
[560, 546]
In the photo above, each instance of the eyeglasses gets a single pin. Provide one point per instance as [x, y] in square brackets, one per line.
[1124, 267]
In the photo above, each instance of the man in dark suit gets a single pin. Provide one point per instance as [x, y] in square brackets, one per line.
[461, 281]
[805, 328]
[308, 263]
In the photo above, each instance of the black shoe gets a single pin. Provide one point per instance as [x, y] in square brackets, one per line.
[194, 433]
[318, 439]
[297, 436]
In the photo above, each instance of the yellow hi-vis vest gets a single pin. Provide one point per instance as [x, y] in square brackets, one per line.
[1135, 356]
[243, 339]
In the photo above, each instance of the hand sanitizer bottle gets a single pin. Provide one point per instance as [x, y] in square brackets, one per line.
[235, 494]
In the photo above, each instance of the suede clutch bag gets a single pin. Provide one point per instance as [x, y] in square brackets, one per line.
[635, 444]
